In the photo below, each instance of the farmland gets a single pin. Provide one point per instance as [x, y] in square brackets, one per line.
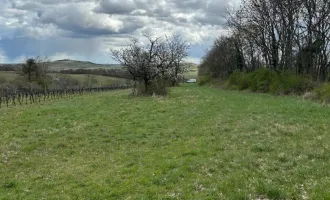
[59, 65]
[7, 76]
[66, 64]
[73, 64]
[105, 80]
[197, 143]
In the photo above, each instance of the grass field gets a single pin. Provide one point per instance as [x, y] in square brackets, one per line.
[73, 64]
[105, 80]
[190, 74]
[198, 143]
[9, 76]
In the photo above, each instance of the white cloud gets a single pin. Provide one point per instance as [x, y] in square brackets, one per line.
[3, 58]
[192, 60]
[79, 19]
[102, 24]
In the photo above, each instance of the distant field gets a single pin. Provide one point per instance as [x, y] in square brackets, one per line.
[61, 65]
[12, 75]
[197, 143]
[101, 79]
[190, 74]
[9, 76]
[73, 64]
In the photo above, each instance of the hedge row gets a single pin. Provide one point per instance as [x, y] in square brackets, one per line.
[278, 83]
[267, 81]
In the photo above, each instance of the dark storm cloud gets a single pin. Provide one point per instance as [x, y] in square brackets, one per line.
[97, 21]
[116, 6]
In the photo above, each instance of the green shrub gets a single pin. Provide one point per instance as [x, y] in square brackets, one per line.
[277, 86]
[288, 83]
[299, 85]
[260, 80]
[267, 81]
[202, 80]
[238, 80]
[323, 92]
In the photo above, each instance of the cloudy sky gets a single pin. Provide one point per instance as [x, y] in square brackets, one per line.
[87, 29]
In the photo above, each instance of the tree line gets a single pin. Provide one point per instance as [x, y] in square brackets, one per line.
[9, 67]
[281, 35]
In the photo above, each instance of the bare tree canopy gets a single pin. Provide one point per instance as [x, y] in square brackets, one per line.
[160, 59]
[290, 35]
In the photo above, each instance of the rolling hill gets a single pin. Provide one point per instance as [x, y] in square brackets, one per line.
[75, 64]
[68, 64]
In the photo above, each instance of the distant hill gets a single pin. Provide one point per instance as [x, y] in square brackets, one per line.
[66, 64]
[75, 64]
[192, 66]
[191, 71]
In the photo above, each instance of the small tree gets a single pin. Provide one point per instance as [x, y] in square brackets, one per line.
[29, 67]
[35, 70]
[178, 49]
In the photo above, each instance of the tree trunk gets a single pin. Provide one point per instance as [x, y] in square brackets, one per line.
[146, 86]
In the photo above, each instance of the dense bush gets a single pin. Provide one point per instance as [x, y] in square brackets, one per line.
[202, 80]
[267, 81]
[323, 93]
[260, 80]
[288, 83]
[238, 80]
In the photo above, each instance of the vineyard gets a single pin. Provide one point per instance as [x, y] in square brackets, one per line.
[29, 97]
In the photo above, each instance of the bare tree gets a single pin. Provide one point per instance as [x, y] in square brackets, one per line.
[286, 35]
[178, 49]
[157, 60]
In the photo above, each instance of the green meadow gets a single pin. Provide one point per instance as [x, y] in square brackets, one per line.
[197, 143]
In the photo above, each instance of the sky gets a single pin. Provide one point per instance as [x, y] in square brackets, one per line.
[88, 29]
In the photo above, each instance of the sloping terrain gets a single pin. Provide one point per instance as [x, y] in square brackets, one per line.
[70, 64]
[198, 143]
[73, 64]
